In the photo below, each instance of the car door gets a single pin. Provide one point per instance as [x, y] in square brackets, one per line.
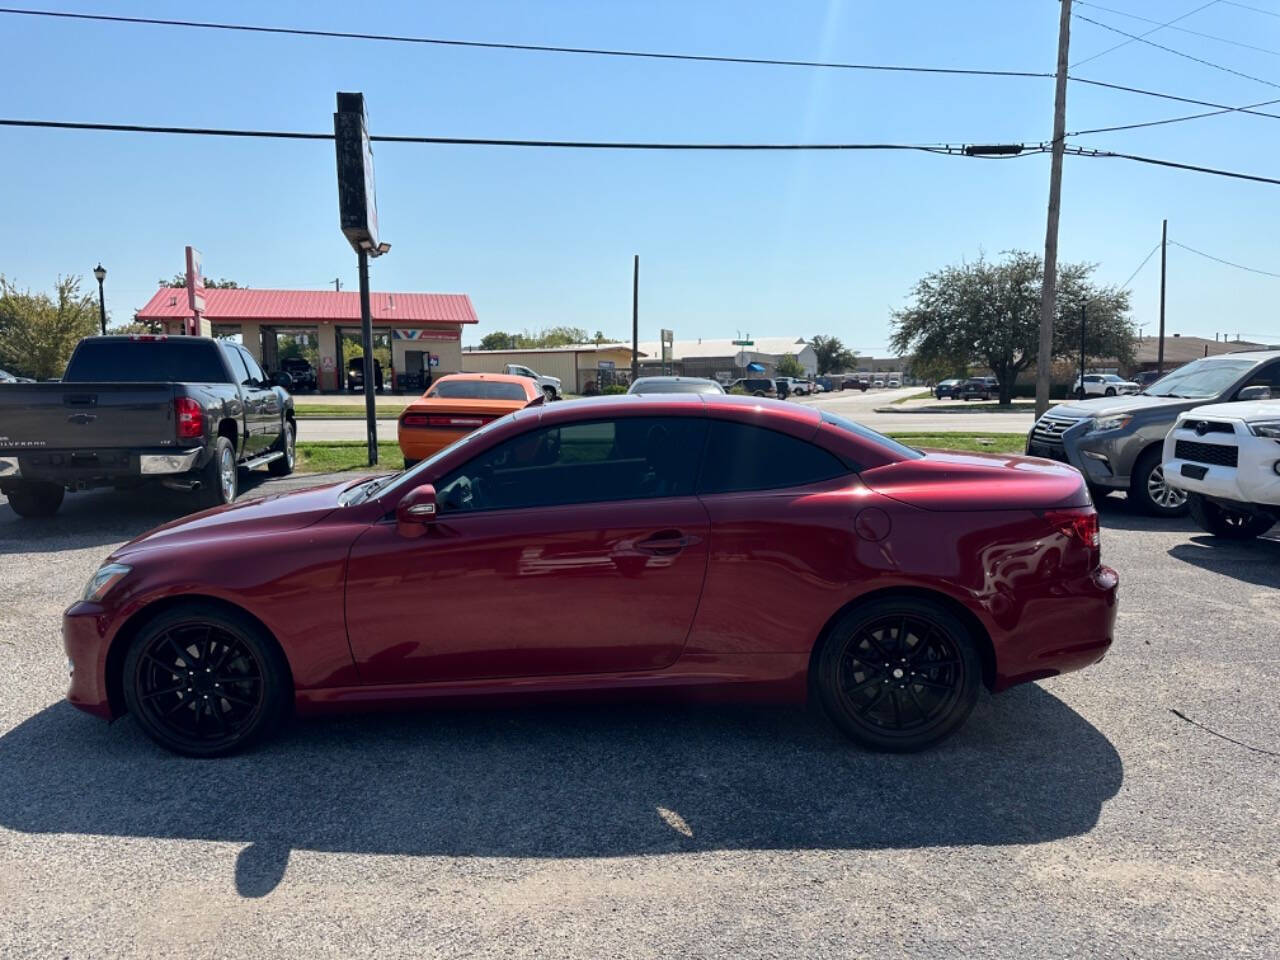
[569, 549]
[262, 406]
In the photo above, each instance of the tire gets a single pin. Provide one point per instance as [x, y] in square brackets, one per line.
[1097, 493]
[220, 650]
[1111, 392]
[36, 499]
[1228, 524]
[1149, 492]
[284, 466]
[549, 393]
[758, 393]
[217, 487]
[868, 654]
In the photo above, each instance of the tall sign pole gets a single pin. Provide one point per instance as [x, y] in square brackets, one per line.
[1049, 292]
[358, 212]
[1164, 263]
[635, 320]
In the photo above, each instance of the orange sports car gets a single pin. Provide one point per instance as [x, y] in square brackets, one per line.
[455, 405]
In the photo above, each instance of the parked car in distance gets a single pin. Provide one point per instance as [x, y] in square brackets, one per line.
[849, 382]
[1226, 458]
[947, 389]
[893, 382]
[980, 388]
[1103, 385]
[877, 382]
[301, 372]
[7, 377]
[756, 386]
[912, 579]
[1118, 442]
[550, 386]
[1146, 378]
[185, 412]
[355, 375]
[674, 385]
[457, 404]
[794, 385]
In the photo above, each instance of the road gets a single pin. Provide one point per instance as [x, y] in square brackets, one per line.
[849, 403]
[1078, 816]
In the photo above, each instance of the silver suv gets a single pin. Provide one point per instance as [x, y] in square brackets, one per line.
[1117, 442]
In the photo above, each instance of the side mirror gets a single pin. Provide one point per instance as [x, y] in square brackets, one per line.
[283, 379]
[416, 509]
[1254, 393]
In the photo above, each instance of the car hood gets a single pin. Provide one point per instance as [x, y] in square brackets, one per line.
[949, 481]
[267, 515]
[1247, 411]
[1107, 406]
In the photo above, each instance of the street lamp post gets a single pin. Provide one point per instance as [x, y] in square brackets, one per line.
[101, 273]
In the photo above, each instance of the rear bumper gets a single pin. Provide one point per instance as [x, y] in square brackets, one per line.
[97, 466]
[1065, 629]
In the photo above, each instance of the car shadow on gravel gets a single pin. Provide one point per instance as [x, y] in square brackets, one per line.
[1253, 561]
[566, 782]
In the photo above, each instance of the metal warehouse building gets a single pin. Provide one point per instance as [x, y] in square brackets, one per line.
[577, 365]
[725, 359]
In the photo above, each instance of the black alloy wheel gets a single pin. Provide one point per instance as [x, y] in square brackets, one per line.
[1227, 524]
[899, 674]
[204, 681]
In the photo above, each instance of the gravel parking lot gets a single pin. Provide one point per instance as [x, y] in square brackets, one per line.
[1077, 816]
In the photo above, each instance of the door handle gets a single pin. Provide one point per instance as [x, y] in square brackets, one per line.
[665, 544]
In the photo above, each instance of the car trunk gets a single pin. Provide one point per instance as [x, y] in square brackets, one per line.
[454, 414]
[69, 416]
[948, 481]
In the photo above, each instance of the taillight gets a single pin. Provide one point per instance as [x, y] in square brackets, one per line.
[441, 420]
[1080, 525]
[190, 418]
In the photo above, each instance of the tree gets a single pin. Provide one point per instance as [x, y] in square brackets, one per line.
[988, 313]
[499, 340]
[180, 280]
[833, 357]
[599, 338]
[789, 366]
[550, 337]
[38, 332]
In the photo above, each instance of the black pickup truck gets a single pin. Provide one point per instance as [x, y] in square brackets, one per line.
[187, 412]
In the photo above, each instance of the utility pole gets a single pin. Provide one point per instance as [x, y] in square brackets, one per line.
[1049, 292]
[1164, 263]
[1084, 317]
[366, 341]
[337, 284]
[635, 320]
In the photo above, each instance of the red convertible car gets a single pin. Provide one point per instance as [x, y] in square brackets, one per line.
[674, 544]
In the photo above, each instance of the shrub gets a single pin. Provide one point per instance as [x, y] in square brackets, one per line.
[614, 388]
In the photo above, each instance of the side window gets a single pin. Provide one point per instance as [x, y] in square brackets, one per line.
[740, 456]
[631, 458]
[1268, 376]
[255, 371]
[239, 372]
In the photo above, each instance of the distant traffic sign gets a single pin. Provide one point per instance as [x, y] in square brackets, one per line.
[744, 343]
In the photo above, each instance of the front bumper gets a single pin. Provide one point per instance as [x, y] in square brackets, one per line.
[85, 639]
[1253, 480]
[1105, 459]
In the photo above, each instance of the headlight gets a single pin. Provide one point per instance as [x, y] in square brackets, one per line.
[1103, 424]
[100, 584]
[1267, 428]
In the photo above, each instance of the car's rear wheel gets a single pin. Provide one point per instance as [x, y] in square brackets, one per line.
[1111, 392]
[36, 499]
[283, 466]
[898, 674]
[220, 478]
[1150, 492]
[205, 681]
[1228, 524]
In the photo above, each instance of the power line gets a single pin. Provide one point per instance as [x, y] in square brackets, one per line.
[1238, 266]
[1226, 108]
[1194, 168]
[1133, 38]
[1125, 285]
[1177, 53]
[530, 47]
[1170, 26]
[1245, 6]
[1160, 123]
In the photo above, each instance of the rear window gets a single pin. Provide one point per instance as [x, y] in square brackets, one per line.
[146, 361]
[477, 390]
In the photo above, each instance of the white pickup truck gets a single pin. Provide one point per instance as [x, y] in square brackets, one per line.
[1226, 456]
[550, 385]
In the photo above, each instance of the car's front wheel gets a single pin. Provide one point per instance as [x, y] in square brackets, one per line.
[1149, 491]
[204, 681]
[898, 674]
[1228, 524]
[36, 499]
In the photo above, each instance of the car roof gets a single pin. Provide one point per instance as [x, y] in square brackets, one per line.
[1247, 355]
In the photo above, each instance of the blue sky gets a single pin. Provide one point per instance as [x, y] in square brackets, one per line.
[772, 244]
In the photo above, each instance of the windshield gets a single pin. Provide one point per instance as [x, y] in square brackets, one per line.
[1200, 379]
[900, 449]
[477, 390]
